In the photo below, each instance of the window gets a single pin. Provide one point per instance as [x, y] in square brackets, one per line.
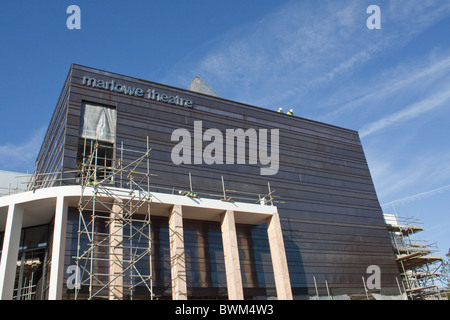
[98, 123]
[97, 136]
[34, 237]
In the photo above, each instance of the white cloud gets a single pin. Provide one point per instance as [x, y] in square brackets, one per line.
[305, 46]
[389, 85]
[432, 102]
[397, 175]
[418, 196]
[15, 157]
[284, 51]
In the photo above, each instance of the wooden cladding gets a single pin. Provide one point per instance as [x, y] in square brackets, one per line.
[329, 211]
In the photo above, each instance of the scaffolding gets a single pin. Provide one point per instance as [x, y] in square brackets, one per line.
[114, 250]
[420, 265]
[12, 182]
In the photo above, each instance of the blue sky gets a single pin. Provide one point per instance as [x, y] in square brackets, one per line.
[318, 57]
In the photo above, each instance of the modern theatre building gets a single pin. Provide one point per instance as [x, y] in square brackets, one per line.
[146, 191]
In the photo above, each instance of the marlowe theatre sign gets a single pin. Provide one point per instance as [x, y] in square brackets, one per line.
[151, 94]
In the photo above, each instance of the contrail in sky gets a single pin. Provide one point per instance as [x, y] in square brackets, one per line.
[417, 196]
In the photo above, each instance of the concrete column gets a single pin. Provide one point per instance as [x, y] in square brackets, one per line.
[116, 251]
[279, 261]
[177, 257]
[231, 255]
[58, 250]
[10, 252]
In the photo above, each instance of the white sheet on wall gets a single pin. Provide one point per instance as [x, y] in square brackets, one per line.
[98, 123]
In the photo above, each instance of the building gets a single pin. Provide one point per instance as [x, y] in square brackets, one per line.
[12, 182]
[146, 191]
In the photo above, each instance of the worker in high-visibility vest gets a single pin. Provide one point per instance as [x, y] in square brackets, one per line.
[290, 112]
[280, 110]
